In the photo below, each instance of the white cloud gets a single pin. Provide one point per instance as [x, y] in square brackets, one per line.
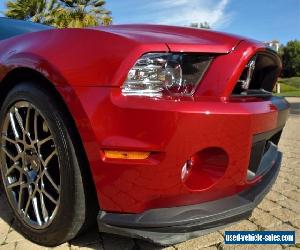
[185, 12]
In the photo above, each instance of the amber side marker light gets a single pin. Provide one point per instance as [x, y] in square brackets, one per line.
[128, 155]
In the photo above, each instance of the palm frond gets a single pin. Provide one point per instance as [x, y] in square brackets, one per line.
[60, 13]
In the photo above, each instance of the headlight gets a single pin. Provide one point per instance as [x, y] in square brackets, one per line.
[157, 74]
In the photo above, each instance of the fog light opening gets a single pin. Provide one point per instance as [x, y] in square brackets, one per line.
[204, 168]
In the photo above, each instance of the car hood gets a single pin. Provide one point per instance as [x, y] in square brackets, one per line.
[178, 39]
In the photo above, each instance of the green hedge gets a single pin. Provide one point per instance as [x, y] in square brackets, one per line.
[289, 86]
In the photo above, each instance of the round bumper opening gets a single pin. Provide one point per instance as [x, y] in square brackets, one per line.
[204, 168]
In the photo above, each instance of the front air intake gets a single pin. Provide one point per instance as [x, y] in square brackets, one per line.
[259, 75]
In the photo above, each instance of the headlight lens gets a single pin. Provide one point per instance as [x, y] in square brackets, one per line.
[157, 74]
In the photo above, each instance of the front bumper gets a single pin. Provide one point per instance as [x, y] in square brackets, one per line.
[173, 131]
[167, 226]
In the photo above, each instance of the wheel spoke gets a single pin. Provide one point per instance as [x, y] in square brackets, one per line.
[14, 166]
[15, 184]
[12, 185]
[35, 126]
[20, 195]
[27, 122]
[27, 207]
[13, 125]
[36, 210]
[46, 162]
[31, 194]
[41, 142]
[13, 142]
[49, 196]
[9, 154]
[43, 206]
[19, 120]
[9, 140]
[51, 180]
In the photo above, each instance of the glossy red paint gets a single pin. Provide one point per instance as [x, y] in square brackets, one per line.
[88, 66]
[174, 130]
[178, 39]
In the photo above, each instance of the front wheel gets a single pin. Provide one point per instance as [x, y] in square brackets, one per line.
[39, 168]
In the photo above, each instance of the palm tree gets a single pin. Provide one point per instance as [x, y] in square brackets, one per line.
[60, 13]
[82, 13]
[33, 10]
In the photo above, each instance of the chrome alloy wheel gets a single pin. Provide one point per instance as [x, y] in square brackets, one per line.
[30, 165]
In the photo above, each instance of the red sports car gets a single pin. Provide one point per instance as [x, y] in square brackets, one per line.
[155, 132]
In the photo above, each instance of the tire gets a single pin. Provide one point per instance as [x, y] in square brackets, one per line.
[51, 210]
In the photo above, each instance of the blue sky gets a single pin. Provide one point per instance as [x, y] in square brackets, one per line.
[259, 19]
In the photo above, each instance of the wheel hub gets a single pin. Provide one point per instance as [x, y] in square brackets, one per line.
[32, 161]
[31, 176]
[32, 164]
